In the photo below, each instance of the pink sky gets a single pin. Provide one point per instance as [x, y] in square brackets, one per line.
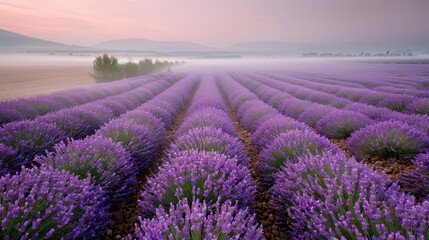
[219, 22]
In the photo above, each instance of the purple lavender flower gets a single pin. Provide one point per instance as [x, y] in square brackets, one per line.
[251, 118]
[417, 182]
[209, 139]
[28, 139]
[105, 162]
[10, 160]
[341, 124]
[395, 102]
[48, 203]
[388, 139]
[200, 221]
[203, 176]
[373, 112]
[329, 196]
[9, 115]
[78, 122]
[287, 147]
[294, 107]
[268, 130]
[136, 139]
[419, 106]
[208, 117]
[163, 114]
[314, 113]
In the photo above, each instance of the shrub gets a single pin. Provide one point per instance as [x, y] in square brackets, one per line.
[200, 176]
[106, 163]
[417, 182]
[314, 113]
[106, 68]
[10, 160]
[294, 107]
[329, 196]
[78, 122]
[163, 114]
[208, 118]
[47, 203]
[287, 147]
[373, 112]
[268, 130]
[341, 124]
[29, 138]
[419, 106]
[209, 139]
[254, 116]
[388, 139]
[9, 115]
[137, 139]
[200, 221]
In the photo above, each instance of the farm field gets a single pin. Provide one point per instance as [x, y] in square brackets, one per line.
[241, 150]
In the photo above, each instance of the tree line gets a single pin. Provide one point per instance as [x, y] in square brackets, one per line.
[107, 68]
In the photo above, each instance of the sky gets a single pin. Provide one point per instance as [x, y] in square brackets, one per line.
[219, 23]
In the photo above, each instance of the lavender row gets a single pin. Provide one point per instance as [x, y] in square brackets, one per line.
[410, 136]
[72, 193]
[320, 194]
[204, 188]
[21, 141]
[31, 108]
[409, 86]
[332, 94]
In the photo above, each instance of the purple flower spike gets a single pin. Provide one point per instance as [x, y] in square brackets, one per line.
[388, 139]
[28, 139]
[268, 130]
[48, 203]
[107, 163]
[200, 221]
[204, 176]
[209, 139]
[287, 147]
[341, 124]
[329, 196]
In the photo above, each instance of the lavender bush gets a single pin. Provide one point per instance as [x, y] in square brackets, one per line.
[268, 130]
[136, 139]
[105, 162]
[208, 117]
[10, 160]
[314, 113]
[341, 124]
[80, 121]
[28, 139]
[287, 147]
[201, 176]
[417, 182]
[329, 196]
[419, 106]
[200, 221]
[209, 139]
[388, 139]
[50, 204]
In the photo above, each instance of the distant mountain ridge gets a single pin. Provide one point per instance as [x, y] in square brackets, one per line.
[141, 44]
[16, 41]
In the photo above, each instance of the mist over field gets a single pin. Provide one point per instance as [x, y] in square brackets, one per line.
[189, 119]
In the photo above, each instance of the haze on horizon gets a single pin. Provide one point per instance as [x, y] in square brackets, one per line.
[220, 23]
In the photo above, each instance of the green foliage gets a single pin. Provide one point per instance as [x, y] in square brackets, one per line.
[107, 68]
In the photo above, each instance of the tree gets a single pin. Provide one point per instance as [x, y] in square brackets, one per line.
[106, 68]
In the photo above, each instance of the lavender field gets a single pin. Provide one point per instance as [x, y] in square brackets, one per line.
[222, 153]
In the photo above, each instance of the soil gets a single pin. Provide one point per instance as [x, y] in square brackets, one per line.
[28, 81]
[265, 215]
[394, 168]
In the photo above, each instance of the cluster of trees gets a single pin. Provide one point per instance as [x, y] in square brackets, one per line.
[107, 68]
